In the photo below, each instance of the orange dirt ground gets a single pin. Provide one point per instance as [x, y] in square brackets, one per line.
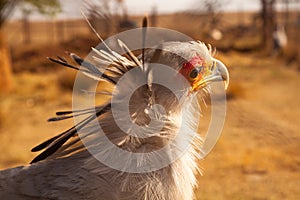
[256, 158]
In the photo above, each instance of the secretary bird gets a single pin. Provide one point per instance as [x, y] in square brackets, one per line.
[71, 167]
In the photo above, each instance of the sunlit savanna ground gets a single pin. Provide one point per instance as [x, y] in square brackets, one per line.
[257, 156]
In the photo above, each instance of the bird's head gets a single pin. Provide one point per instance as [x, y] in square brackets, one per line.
[200, 72]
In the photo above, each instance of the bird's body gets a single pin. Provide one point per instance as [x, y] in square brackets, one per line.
[69, 171]
[83, 177]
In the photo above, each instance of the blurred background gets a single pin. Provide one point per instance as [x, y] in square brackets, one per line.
[257, 156]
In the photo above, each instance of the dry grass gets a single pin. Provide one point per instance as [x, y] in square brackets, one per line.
[235, 90]
[291, 54]
[66, 78]
[257, 156]
[24, 113]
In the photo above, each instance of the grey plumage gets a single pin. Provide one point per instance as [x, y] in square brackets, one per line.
[66, 170]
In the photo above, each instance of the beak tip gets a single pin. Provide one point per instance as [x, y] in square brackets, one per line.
[223, 72]
[226, 85]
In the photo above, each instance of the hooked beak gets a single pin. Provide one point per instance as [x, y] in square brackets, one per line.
[221, 70]
[218, 72]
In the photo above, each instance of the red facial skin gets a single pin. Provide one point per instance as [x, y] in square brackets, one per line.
[189, 66]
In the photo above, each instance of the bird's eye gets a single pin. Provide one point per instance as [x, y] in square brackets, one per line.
[193, 74]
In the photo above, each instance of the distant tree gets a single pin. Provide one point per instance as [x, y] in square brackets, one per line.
[100, 15]
[286, 13]
[106, 16]
[49, 7]
[212, 9]
[286, 4]
[268, 22]
[6, 7]
[153, 16]
[45, 7]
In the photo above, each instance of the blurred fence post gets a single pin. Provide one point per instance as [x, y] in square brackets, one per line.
[153, 16]
[26, 29]
[60, 31]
